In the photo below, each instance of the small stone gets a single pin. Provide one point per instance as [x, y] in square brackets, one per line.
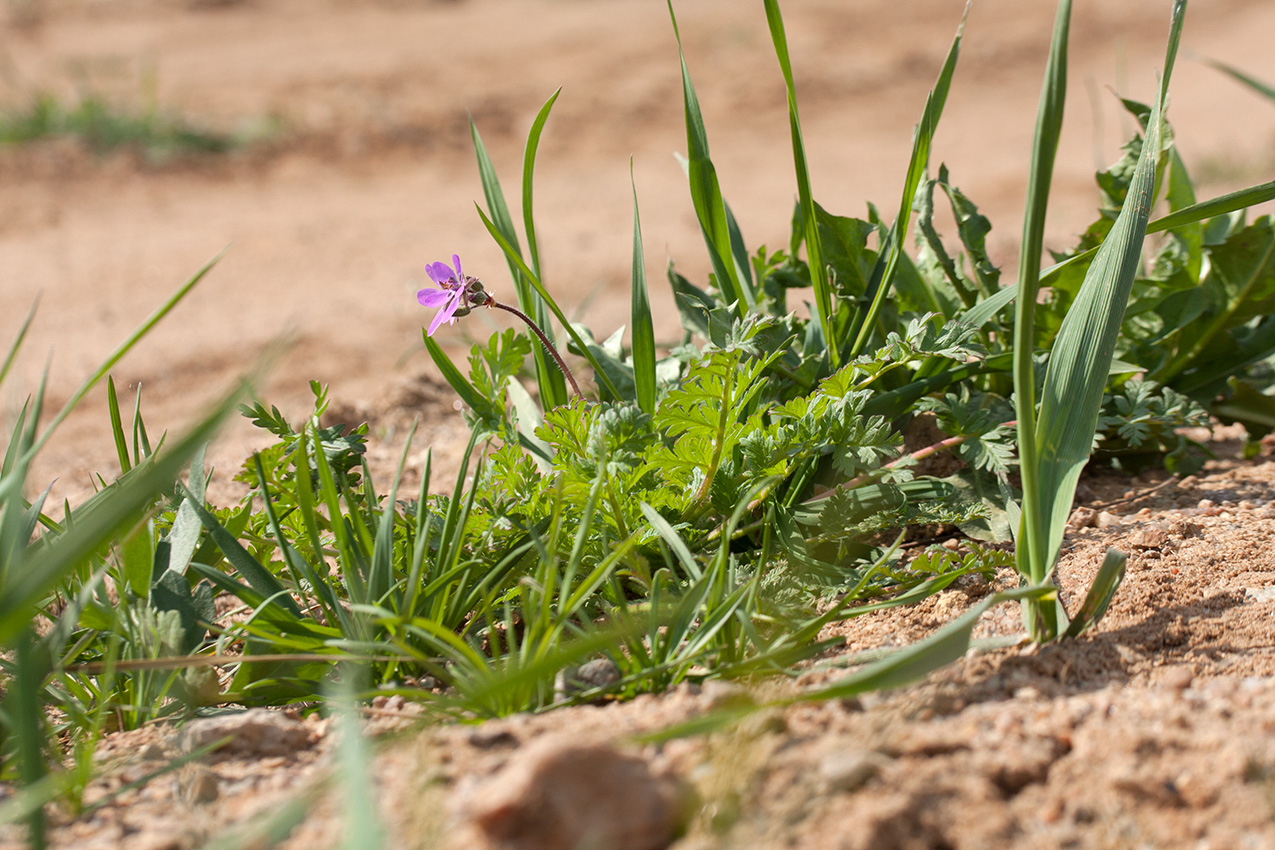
[850, 770]
[1260, 594]
[1246, 505]
[598, 673]
[1082, 518]
[1150, 537]
[151, 752]
[257, 732]
[1107, 519]
[1178, 678]
[560, 793]
[951, 544]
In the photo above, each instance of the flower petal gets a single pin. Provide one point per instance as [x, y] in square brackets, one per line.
[439, 273]
[460, 276]
[443, 315]
[433, 297]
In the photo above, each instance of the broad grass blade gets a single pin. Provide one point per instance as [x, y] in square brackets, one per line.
[706, 193]
[1031, 537]
[1083, 350]
[814, 249]
[640, 317]
[917, 165]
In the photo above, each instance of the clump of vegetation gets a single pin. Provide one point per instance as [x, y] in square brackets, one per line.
[702, 511]
[103, 127]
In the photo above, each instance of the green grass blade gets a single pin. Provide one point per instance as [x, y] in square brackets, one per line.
[528, 168]
[553, 386]
[124, 348]
[814, 250]
[706, 193]
[495, 197]
[599, 372]
[914, 662]
[257, 576]
[12, 354]
[917, 166]
[47, 564]
[1104, 586]
[552, 390]
[1264, 89]
[1083, 350]
[1220, 205]
[1049, 116]
[117, 427]
[640, 317]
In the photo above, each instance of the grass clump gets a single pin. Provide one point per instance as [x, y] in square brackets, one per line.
[103, 127]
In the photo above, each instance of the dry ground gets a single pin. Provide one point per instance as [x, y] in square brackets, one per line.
[1154, 733]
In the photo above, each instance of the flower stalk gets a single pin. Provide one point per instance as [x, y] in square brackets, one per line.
[457, 293]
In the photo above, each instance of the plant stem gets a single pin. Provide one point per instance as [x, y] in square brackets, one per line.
[544, 340]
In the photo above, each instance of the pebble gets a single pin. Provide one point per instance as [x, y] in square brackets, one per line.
[849, 770]
[1178, 678]
[598, 673]
[562, 793]
[257, 731]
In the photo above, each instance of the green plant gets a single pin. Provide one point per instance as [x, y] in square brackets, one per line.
[103, 127]
[35, 571]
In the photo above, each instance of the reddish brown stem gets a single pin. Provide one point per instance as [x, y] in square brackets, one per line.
[544, 340]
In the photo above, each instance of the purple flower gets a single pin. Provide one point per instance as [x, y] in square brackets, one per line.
[450, 295]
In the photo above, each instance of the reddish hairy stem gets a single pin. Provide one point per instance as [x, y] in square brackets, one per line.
[544, 340]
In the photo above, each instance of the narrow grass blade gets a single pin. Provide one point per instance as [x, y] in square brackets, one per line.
[363, 829]
[258, 577]
[908, 665]
[1264, 89]
[468, 394]
[12, 354]
[49, 562]
[640, 319]
[515, 259]
[553, 385]
[1031, 536]
[892, 254]
[553, 389]
[528, 168]
[1104, 586]
[706, 193]
[1221, 205]
[814, 250]
[124, 348]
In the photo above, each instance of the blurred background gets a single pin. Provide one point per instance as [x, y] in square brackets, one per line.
[326, 143]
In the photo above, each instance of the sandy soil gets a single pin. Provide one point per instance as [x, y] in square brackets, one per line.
[1156, 732]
